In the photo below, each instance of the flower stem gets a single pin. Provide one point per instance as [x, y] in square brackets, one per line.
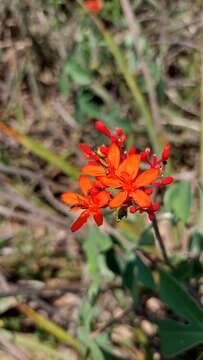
[161, 243]
[201, 145]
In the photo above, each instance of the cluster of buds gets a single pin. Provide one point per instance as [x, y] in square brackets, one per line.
[113, 178]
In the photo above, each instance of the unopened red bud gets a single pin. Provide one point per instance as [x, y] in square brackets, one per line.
[88, 152]
[93, 5]
[102, 128]
[132, 210]
[149, 191]
[154, 207]
[143, 155]
[119, 131]
[113, 138]
[132, 150]
[167, 180]
[86, 149]
[166, 153]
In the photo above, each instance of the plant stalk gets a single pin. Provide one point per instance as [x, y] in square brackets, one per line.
[161, 242]
[201, 144]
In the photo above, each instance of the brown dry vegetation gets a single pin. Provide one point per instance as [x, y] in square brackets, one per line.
[57, 74]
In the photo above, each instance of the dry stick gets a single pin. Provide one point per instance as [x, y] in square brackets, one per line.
[161, 243]
[136, 33]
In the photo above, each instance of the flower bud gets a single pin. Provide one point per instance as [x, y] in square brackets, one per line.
[102, 128]
[154, 207]
[149, 191]
[93, 5]
[166, 153]
[119, 131]
[167, 180]
[132, 150]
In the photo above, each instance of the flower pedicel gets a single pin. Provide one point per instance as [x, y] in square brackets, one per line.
[112, 167]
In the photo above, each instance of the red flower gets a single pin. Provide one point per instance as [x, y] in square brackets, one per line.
[115, 168]
[93, 5]
[124, 175]
[91, 202]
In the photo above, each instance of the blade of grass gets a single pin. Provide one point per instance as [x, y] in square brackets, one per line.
[201, 145]
[38, 149]
[51, 328]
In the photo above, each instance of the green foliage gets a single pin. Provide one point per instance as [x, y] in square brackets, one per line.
[177, 337]
[95, 247]
[178, 199]
[146, 238]
[137, 273]
[196, 241]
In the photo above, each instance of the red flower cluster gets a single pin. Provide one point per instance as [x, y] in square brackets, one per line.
[112, 167]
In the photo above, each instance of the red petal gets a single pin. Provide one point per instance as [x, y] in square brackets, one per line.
[130, 165]
[112, 182]
[141, 198]
[94, 170]
[114, 156]
[147, 177]
[80, 221]
[85, 183]
[102, 198]
[70, 198]
[118, 200]
[98, 219]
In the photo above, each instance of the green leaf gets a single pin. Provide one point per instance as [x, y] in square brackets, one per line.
[130, 280]
[91, 345]
[95, 246]
[188, 269]
[79, 74]
[101, 239]
[146, 238]
[86, 106]
[200, 357]
[136, 273]
[113, 262]
[196, 241]
[178, 299]
[64, 85]
[145, 274]
[178, 199]
[177, 338]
